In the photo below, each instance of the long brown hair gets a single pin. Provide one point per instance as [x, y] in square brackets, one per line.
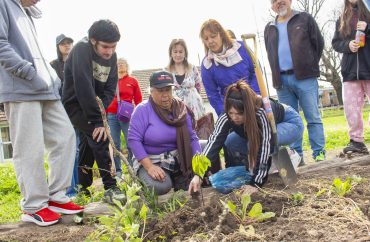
[345, 28]
[241, 97]
[215, 28]
[186, 64]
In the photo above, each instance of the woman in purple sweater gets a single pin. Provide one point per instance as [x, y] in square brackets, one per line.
[226, 62]
[162, 138]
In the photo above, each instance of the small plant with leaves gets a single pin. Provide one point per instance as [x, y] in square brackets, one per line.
[341, 188]
[297, 198]
[177, 200]
[200, 164]
[124, 224]
[240, 212]
[354, 179]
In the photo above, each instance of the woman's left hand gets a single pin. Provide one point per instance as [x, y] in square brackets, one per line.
[248, 189]
[195, 184]
[361, 25]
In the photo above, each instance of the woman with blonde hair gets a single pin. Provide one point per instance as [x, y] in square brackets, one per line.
[186, 76]
[226, 62]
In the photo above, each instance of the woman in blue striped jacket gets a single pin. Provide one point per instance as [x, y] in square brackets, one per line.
[245, 118]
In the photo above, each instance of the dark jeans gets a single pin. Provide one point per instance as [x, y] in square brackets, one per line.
[91, 151]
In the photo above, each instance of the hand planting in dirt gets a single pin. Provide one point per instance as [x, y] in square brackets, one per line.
[194, 186]
[200, 164]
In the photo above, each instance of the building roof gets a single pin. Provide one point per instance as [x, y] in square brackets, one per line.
[142, 77]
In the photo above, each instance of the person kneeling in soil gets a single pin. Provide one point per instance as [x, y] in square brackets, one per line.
[251, 132]
[162, 138]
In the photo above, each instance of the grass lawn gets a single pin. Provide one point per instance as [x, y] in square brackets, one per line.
[335, 127]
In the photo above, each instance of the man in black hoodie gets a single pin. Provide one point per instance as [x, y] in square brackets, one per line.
[91, 70]
[64, 46]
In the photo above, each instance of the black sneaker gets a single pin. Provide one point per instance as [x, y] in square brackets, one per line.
[114, 193]
[301, 163]
[354, 146]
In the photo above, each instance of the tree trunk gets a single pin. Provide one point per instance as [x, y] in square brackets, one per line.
[338, 89]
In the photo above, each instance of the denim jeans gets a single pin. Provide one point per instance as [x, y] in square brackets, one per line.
[116, 127]
[304, 93]
[72, 190]
[288, 132]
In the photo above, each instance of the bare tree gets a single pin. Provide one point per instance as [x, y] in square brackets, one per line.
[311, 6]
[330, 59]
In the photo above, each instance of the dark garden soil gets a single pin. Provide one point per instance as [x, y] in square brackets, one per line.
[324, 217]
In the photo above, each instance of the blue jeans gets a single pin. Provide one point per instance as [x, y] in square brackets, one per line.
[288, 131]
[304, 93]
[72, 190]
[116, 127]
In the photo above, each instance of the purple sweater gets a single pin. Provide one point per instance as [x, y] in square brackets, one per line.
[149, 135]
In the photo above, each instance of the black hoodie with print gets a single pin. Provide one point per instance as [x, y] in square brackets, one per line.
[86, 76]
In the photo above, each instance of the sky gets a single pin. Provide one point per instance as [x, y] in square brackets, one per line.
[148, 26]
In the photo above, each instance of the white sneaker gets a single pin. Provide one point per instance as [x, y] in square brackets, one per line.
[295, 158]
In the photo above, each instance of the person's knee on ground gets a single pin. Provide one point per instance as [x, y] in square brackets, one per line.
[160, 188]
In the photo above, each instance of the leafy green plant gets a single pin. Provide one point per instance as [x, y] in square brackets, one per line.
[354, 179]
[177, 200]
[124, 224]
[240, 212]
[200, 164]
[297, 198]
[341, 188]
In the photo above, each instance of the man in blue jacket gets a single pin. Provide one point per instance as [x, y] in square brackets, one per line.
[29, 89]
[294, 46]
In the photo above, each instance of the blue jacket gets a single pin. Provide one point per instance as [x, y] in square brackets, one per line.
[217, 78]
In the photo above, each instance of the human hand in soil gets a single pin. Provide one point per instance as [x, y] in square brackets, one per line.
[248, 189]
[194, 185]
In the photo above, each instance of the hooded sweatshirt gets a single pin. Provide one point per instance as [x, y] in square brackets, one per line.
[58, 65]
[87, 75]
[24, 73]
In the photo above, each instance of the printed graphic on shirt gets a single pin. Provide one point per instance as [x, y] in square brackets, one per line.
[100, 73]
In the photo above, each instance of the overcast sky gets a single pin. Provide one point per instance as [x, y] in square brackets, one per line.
[148, 26]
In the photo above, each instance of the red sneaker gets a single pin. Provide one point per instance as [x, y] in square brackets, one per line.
[66, 208]
[44, 217]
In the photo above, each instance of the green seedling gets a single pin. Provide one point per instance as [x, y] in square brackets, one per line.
[240, 213]
[341, 188]
[176, 201]
[297, 198]
[124, 224]
[200, 164]
[354, 179]
[321, 192]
